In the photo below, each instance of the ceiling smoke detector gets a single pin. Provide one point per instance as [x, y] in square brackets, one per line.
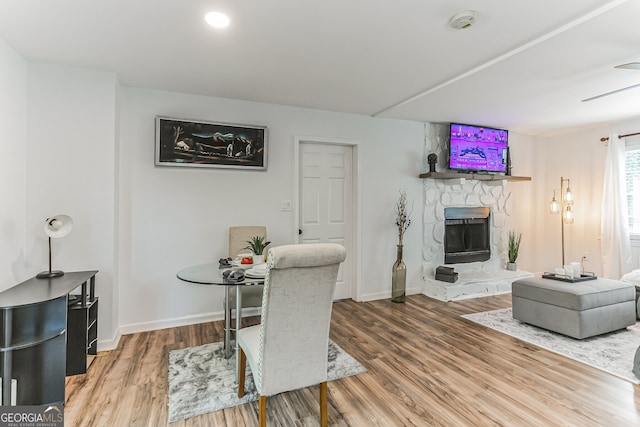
[462, 20]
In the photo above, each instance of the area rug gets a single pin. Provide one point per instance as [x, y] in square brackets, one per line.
[201, 380]
[611, 352]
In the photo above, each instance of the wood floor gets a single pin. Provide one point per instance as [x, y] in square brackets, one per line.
[427, 366]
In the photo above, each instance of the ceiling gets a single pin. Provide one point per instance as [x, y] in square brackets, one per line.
[524, 65]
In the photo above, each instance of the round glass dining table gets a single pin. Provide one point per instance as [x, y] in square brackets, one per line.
[211, 274]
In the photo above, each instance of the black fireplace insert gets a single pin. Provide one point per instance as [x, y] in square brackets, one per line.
[466, 235]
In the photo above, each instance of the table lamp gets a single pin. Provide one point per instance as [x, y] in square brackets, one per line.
[57, 226]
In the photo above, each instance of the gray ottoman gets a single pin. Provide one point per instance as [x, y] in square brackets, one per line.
[579, 310]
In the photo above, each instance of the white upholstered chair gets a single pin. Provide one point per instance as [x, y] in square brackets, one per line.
[288, 350]
[251, 295]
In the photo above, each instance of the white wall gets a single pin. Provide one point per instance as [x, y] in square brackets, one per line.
[579, 156]
[83, 146]
[79, 144]
[171, 217]
[525, 158]
[13, 119]
[70, 170]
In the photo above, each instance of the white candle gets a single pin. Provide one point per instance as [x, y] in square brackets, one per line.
[575, 266]
[568, 270]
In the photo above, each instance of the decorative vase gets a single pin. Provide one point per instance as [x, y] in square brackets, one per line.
[512, 266]
[398, 278]
[258, 259]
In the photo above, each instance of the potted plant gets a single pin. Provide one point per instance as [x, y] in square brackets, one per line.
[514, 247]
[257, 245]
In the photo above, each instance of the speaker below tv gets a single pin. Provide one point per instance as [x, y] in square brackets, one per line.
[478, 148]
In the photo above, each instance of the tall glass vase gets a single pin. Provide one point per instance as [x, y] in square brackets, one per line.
[398, 278]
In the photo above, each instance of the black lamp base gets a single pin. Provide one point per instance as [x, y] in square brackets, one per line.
[49, 274]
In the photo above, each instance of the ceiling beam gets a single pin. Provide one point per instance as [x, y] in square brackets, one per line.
[593, 14]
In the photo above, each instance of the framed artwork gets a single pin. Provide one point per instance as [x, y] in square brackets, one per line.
[210, 145]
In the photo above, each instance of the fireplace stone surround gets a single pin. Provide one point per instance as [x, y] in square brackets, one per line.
[475, 279]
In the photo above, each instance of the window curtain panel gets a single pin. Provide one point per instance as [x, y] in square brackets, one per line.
[616, 244]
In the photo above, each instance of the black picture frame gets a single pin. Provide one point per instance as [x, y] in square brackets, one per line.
[205, 144]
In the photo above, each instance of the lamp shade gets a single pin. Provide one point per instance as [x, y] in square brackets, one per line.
[554, 207]
[568, 215]
[568, 196]
[58, 226]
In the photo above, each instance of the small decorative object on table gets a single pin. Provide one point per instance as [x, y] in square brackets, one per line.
[225, 262]
[399, 271]
[514, 247]
[257, 245]
[432, 159]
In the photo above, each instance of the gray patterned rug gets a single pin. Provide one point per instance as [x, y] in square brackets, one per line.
[611, 352]
[201, 380]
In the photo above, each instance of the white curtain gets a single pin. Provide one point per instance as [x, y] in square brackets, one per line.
[616, 246]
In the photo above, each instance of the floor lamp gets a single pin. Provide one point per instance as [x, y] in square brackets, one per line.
[565, 205]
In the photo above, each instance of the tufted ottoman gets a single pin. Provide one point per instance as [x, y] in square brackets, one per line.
[579, 310]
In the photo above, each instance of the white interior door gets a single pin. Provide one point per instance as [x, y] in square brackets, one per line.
[326, 203]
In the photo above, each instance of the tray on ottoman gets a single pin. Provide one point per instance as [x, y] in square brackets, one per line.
[583, 277]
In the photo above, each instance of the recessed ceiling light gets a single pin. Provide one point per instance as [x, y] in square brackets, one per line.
[217, 19]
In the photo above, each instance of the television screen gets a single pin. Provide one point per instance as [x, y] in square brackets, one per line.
[478, 148]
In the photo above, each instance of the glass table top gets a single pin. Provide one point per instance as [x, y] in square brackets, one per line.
[211, 274]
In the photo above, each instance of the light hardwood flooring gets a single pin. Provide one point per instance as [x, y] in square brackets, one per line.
[427, 366]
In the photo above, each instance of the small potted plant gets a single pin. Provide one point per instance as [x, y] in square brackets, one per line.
[514, 247]
[257, 245]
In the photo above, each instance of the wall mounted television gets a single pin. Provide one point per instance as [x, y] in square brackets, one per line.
[478, 148]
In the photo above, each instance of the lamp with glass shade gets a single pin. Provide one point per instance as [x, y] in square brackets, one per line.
[565, 205]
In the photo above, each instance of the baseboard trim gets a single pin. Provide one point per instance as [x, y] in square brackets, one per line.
[112, 344]
[133, 328]
[387, 294]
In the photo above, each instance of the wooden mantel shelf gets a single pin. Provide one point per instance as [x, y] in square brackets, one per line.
[476, 176]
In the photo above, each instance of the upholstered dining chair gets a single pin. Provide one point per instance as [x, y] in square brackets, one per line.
[288, 349]
[251, 295]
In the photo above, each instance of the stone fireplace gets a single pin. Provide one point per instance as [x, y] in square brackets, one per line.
[478, 212]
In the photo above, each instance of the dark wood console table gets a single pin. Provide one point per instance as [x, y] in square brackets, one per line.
[39, 340]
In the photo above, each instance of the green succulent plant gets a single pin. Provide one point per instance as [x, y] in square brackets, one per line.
[514, 245]
[257, 244]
